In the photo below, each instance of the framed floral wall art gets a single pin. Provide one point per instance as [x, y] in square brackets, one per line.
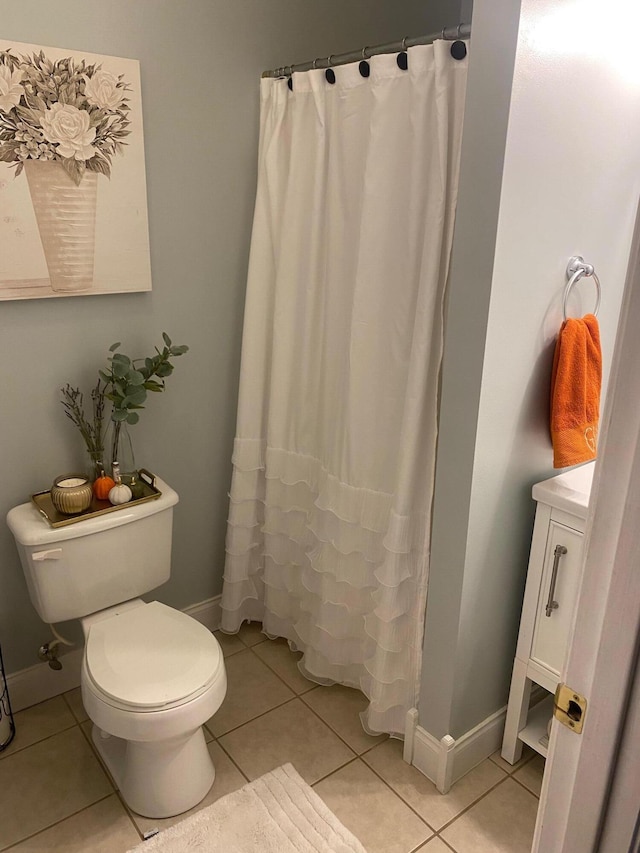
[73, 199]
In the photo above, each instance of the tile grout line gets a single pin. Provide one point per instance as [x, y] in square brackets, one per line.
[446, 843]
[442, 840]
[130, 814]
[94, 750]
[313, 684]
[243, 641]
[331, 728]
[474, 803]
[393, 791]
[421, 844]
[471, 805]
[246, 722]
[68, 704]
[57, 822]
[522, 785]
[275, 672]
[233, 761]
[486, 793]
[237, 728]
[313, 710]
[514, 767]
[20, 749]
[341, 767]
[399, 795]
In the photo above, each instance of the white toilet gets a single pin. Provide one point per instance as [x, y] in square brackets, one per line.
[151, 675]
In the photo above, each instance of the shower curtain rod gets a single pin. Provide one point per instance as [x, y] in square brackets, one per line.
[460, 32]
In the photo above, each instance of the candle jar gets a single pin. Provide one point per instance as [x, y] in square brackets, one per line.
[71, 493]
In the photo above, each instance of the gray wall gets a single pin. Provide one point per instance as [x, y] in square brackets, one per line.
[491, 61]
[533, 192]
[200, 64]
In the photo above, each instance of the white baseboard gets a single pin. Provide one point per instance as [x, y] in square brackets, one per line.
[37, 683]
[447, 760]
[410, 728]
[207, 612]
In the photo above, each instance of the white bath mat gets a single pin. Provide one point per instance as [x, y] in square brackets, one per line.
[278, 813]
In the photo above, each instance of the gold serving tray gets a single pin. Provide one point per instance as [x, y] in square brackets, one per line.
[145, 490]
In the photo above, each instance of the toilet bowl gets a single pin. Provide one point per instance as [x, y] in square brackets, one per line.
[151, 676]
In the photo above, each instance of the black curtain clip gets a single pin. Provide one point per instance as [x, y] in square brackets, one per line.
[402, 58]
[364, 67]
[330, 74]
[458, 50]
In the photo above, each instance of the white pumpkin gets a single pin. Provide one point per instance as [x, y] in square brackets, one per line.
[120, 494]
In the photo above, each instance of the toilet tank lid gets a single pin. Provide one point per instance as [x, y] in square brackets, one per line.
[29, 527]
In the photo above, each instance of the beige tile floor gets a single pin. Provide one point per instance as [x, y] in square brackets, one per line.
[56, 796]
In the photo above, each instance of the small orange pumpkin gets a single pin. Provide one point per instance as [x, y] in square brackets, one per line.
[102, 486]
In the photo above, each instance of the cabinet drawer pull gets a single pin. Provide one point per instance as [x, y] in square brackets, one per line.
[552, 605]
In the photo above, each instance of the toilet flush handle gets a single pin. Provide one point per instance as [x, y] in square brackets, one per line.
[51, 554]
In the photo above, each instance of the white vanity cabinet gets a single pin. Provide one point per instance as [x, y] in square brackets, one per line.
[553, 582]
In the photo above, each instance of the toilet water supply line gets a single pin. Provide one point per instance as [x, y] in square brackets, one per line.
[49, 651]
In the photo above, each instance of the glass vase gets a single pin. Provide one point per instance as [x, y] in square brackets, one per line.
[118, 447]
[95, 464]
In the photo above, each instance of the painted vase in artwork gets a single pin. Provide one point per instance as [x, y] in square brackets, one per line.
[66, 217]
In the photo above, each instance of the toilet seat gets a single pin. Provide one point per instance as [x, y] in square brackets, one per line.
[151, 658]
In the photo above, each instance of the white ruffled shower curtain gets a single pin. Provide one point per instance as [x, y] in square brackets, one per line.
[328, 530]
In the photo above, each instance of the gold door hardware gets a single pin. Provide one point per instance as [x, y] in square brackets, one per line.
[570, 708]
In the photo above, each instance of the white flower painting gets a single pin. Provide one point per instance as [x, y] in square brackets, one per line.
[73, 212]
[69, 128]
[10, 88]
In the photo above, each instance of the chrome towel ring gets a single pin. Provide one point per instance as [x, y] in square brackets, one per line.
[577, 269]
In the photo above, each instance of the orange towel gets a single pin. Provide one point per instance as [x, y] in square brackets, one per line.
[575, 392]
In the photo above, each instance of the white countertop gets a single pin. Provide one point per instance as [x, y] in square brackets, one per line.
[569, 491]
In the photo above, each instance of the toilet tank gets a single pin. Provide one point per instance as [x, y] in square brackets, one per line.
[95, 563]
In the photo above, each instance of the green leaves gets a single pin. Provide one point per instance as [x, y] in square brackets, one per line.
[164, 369]
[128, 380]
